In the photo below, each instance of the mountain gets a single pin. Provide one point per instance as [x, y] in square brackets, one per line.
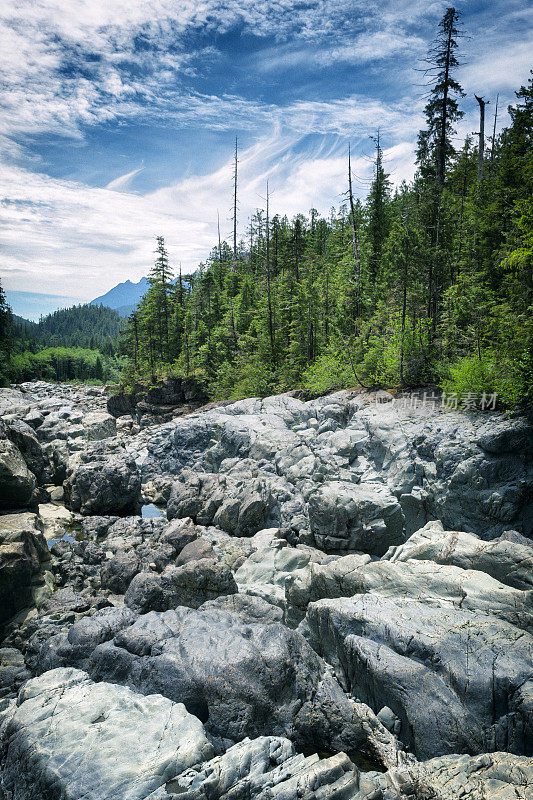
[123, 297]
[80, 326]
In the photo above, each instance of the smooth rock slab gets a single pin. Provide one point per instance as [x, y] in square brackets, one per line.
[72, 738]
[349, 516]
[431, 583]
[507, 561]
[459, 681]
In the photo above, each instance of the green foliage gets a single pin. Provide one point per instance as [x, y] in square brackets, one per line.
[488, 375]
[63, 364]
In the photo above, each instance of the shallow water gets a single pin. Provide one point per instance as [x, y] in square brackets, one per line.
[151, 511]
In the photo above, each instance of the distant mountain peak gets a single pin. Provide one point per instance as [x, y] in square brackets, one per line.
[123, 297]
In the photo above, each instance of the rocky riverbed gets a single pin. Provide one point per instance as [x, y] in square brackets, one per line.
[264, 599]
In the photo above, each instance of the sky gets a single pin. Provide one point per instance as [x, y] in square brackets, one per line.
[118, 120]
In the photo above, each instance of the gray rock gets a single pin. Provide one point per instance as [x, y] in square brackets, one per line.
[24, 438]
[346, 516]
[435, 584]
[13, 672]
[103, 484]
[507, 561]
[189, 585]
[117, 573]
[178, 534]
[17, 483]
[474, 670]
[23, 552]
[241, 678]
[497, 776]
[69, 737]
[266, 767]
[99, 425]
[196, 550]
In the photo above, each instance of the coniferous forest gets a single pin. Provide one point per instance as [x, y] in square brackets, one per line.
[426, 284]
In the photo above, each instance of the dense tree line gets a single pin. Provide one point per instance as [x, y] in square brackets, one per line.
[86, 326]
[77, 343]
[430, 283]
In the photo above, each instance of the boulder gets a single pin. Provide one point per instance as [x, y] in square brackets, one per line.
[348, 516]
[24, 438]
[196, 550]
[103, 484]
[23, 551]
[69, 737]
[118, 572]
[99, 425]
[475, 671]
[188, 585]
[17, 483]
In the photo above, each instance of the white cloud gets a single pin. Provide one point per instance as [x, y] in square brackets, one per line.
[123, 181]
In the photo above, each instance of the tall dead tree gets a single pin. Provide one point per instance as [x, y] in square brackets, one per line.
[269, 292]
[235, 203]
[481, 148]
[357, 266]
[494, 131]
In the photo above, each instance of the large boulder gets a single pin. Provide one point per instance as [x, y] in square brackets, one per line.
[475, 671]
[17, 483]
[508, 561]
[188, 585]
[100, 483]
[241, 678]
[99, 425]
[348, 516]
[69, 737]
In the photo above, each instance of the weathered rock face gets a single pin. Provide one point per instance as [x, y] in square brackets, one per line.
[17, 483]
[188, 585]
[239, 677]
[23, 552]
[70, 737]
[419, 580]
[508, 561]
[280, 513]
[475, 669]
[158, 400]
[346, 516]
[99, 425]
[102, 484]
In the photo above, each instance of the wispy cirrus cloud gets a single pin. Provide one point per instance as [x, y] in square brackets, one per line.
[296, 80]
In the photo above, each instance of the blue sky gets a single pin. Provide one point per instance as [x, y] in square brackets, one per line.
[118, 120]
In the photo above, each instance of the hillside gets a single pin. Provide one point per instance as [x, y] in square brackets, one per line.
[123, 297]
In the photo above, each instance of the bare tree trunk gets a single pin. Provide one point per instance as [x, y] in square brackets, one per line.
[357, 270]
[270, 318]
[494, 132]
[441, 151]
[235, 204]
[481, 150]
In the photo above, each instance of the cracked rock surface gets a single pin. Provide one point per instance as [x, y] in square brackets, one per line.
[330, 599]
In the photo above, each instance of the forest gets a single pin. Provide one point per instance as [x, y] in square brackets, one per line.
[426, 285]
[77, 343]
